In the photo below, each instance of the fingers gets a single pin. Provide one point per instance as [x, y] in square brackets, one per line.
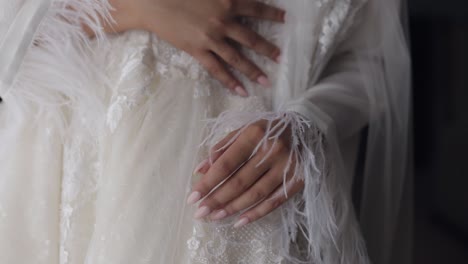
[271, 203]
[239, 181]
[215, 152]
[212, 64]
[254, 41]
[238, 61]
[236, 185]
[245, 36]
[267, 186]
[256, 193]
[260, 10]
[229, 162]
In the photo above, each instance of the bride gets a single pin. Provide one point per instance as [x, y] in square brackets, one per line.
[209, 131]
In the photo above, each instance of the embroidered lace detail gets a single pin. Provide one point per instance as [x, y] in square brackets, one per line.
[172, 63]
[132, 75]
[79, 185]
[216, 243]
[333, 23]
[337, 22]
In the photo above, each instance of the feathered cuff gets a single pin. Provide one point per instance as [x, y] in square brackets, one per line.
[321, 213]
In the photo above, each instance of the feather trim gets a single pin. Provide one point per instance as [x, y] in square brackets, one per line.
[68, 76]
[321, 214]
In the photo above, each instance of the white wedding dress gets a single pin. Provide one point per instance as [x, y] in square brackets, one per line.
[100, 138]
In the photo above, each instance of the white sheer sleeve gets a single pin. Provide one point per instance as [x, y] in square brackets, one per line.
[333, 110]
[16, 35]
[367, 83]
[337, 103]
[339, 100]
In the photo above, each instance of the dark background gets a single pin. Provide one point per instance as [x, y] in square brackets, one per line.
[439, 43]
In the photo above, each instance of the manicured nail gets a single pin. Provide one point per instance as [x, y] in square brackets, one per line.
[283, 16]
[242, 222]
[200, 166]
[202, 212]
[241, 91]
[218, 215]
[263, 80]
[193, 198]
[278, 59]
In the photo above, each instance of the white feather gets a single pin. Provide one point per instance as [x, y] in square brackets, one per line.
[321, 214]
[58, 69]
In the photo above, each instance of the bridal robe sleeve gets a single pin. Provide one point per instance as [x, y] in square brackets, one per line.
[361, 80]
[345, 94]
[343, 103]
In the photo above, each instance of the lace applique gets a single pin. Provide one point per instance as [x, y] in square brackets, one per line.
[132, 77]
[333, 23]
[79, 185]
[219, 243]
[130, 80]
[172, 63]
[115, 112]
[337, 22]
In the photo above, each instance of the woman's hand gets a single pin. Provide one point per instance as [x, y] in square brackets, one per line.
[254, 184]
[203, 29]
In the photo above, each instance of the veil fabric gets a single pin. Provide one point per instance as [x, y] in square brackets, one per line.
[368, 86]
[378, 51]
[354, 75]
[17, 28]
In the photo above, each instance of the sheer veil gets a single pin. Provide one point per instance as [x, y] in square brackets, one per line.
[25, 18]
[385, 207]
[371, 80]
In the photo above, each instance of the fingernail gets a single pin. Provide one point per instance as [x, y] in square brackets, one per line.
[200, 166]
[242, 222]
[241, 91]
[218, 215]
[263, 80]
[278, 59]
[193, 198]
[202, 212]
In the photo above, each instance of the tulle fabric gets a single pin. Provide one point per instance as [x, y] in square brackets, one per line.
[111, 130]
[366, 85]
